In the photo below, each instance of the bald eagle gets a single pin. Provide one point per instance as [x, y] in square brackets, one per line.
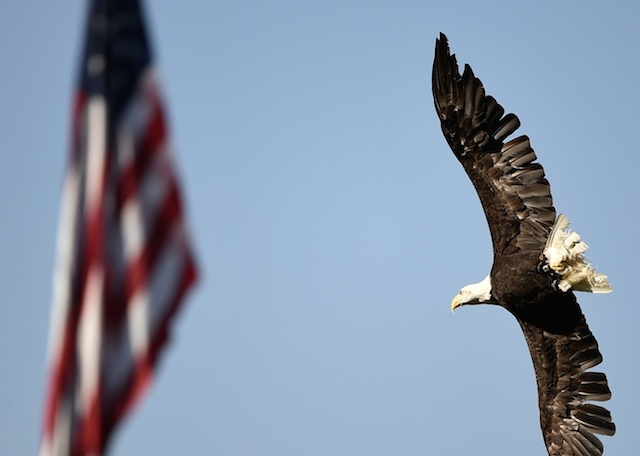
[537, 261]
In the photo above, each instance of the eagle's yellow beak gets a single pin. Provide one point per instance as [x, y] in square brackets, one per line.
[457, 301]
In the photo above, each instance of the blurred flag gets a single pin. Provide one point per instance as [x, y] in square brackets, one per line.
[124, 261]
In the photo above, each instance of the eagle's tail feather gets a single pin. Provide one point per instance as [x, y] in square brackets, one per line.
[564, 253]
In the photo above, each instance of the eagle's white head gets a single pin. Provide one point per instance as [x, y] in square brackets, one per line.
[476, 293]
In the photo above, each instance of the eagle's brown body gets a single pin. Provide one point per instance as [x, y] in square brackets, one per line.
[516, 199]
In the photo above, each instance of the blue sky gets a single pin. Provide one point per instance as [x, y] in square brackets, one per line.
[332, 223]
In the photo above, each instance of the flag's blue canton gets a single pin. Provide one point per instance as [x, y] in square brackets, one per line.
[116, 39]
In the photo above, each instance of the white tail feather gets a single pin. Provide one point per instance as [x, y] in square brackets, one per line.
[564, 252]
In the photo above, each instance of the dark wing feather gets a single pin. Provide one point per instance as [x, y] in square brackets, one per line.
[565, 385]
[514, 193]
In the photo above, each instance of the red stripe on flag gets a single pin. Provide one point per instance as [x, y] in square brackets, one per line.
[163, 226]
[147, 149]
[144, 366]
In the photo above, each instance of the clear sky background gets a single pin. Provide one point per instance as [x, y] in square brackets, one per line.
[332, 223]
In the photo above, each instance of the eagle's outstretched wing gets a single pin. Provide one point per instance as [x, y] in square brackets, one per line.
[514, 193]
[565, 385]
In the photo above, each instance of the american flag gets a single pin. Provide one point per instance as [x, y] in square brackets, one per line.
[124, 261]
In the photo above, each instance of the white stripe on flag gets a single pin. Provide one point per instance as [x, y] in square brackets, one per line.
[96, 144]
[89, 340]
